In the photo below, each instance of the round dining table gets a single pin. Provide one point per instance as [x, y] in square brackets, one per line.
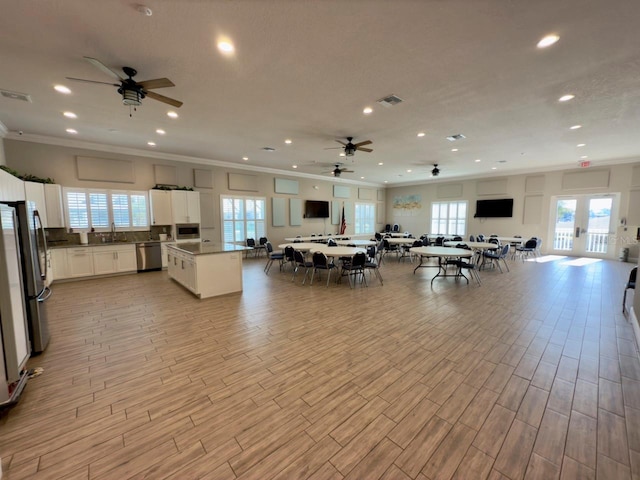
[357, 243]
[474, 245]
[302, 246]
[339, 251]
[442, 254]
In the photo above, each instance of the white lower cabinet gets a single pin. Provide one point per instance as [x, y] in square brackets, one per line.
[165, 253]
[91, 261]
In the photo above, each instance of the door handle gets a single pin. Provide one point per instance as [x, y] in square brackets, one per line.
[577, 232]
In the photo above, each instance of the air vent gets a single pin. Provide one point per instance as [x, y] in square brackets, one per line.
[268, 149]
[16, 95]
[457, 136]
[390, 101]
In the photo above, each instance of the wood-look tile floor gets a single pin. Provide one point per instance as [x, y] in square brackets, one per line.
[534, 374]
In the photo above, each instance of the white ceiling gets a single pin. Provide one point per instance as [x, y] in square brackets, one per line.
[305, 70]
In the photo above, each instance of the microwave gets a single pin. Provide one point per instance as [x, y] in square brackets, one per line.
[185, 231]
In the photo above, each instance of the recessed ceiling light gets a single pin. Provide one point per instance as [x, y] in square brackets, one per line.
[494, 168]
[386, 181]
[584, 156]
[245, 158]
[454, 149]
[380, 163]
[581, 145]
[226, 47]
[159, 131]
[172, 114]
[288, 141]
[361, 178]
[294, 166]
[575, 127]
[409, 171]
[72, 131]
[342, 154]
[70, 115]
[421, 134]
[367, 110]
[566, 98]
[62, 89]
[151, 144]
[477, 160]
[548, 40]
[268, 149]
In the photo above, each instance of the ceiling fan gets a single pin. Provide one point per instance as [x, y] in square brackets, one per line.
[350, 147]
[132, 92]
[337, 171]
[436, 171]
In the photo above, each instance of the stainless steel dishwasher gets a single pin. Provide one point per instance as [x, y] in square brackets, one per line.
[149, 256]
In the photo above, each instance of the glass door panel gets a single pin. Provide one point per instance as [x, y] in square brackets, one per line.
[565, 224]
[598, 225]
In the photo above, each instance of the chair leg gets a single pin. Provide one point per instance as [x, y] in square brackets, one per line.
[268, 265]
[624, 301]
[505, 263]
[313, 273]
[328, 276]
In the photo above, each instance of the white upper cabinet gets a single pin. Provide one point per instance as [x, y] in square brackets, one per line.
[34, 192]
[185, 206]
[53, 201]
[11, 188]
[160, 207]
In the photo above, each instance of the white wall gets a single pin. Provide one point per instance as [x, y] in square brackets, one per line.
[2, 156]
[59, 163]
[537, 188]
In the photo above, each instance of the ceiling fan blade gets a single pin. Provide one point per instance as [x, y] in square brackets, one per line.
[366, 142]
[333, 148]
[163, 99]
[347, 171]
[101, 66]
[156, 83]
[341, 142]
[364, 149]
[92, 81]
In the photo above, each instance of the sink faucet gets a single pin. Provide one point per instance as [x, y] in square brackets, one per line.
[113, 231]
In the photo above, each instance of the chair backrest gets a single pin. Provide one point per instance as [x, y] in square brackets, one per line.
[480, 238]
[331, 243]
[319, 259]
[378, 236]
[505, 250]
[371, 252]
[472, 238]
[494, 240]
[632, 277]
[387, 228]
[396, 227]
[493, 235]
[288, 253]
[425, 241]
[359, 259]
[457, 238]
[269, 247]
[417, 243]
[439, 241]
[263, 240]
[297, 240]
[531, 243]
[251, 242]
[352, 245]
[538, 242]
[298, 257]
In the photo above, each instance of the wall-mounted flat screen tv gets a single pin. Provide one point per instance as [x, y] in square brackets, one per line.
[316, 209]
[494, 208]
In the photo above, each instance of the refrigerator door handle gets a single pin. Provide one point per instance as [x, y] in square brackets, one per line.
[45, 290]
[39, 227]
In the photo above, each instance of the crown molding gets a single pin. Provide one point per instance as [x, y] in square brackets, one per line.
[159, 155]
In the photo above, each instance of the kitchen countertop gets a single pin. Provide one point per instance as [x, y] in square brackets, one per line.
[208, 248]
[106, 244]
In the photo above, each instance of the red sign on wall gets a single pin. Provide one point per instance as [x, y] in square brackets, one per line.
[585, 164]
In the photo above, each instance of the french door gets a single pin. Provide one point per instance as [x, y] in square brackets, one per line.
[583, 225]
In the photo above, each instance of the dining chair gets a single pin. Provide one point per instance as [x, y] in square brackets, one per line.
[251, 243]
[495, 257]
[320, 262]
[300, 261]
[472, 238]
[288, 256]
[355, 268]
[527, 249]
[272, 256]
[261, 246]
[470, 266]
[372, 262]
[631, 285]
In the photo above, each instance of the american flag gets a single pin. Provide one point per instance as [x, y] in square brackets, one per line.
[343, 224]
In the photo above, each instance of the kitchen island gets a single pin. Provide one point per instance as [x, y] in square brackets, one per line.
[206, 270]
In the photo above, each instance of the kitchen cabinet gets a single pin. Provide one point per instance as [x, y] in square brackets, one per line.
[79, 262]
[160, 201]
[164, 253]
[114, 259]
[185, 206]
[205, 270]
[11, 188]
[58, 263]
[34, 192]
[53, 202]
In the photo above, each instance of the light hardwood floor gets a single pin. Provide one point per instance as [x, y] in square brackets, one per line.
[534, 374]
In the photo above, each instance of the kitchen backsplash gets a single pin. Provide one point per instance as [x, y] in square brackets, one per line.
[60, 236]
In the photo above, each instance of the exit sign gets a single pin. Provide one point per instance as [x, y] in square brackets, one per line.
[585, 164]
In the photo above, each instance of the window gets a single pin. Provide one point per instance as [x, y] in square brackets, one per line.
[449, 218]
[242, 218]
[365, 218]
[98, 209]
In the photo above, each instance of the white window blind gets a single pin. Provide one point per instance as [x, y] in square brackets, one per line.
[365, 214]
[98, 209]
[242, 218]
[449, 218]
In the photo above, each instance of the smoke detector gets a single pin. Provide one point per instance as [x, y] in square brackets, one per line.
[16, 95]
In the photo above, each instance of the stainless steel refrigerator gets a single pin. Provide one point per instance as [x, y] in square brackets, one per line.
[33, 250]
[14, 332]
